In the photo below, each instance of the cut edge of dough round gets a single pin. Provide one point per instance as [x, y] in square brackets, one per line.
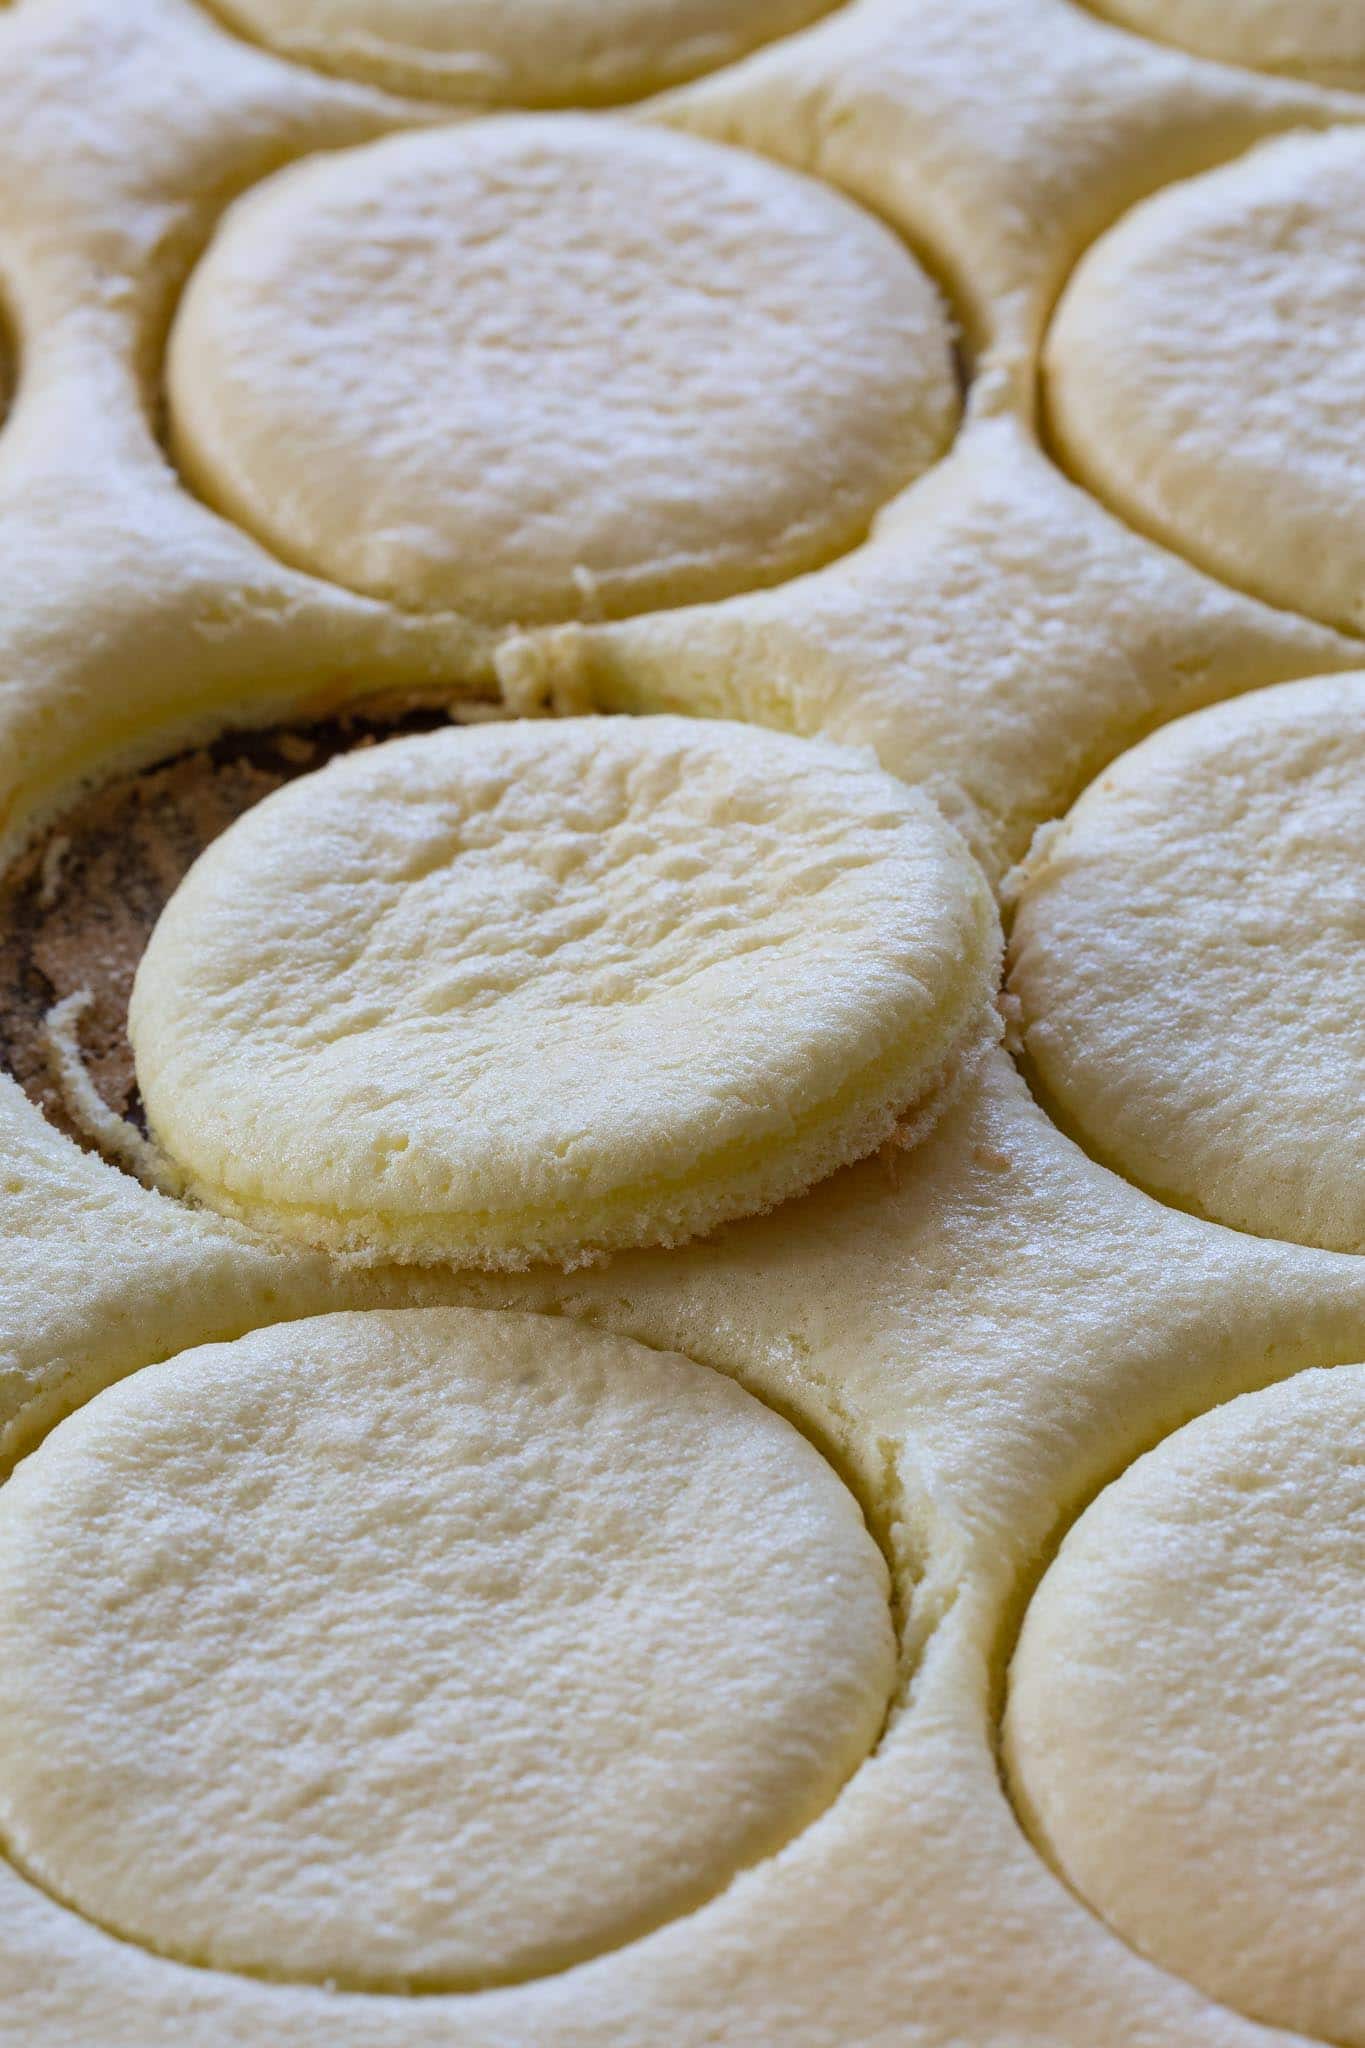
[525, 519]
[1194, 32]
[875, 1108]
[1117, 422]
[293, 1394]
[1084, 1064]
[483, 83]
[1074, 1704]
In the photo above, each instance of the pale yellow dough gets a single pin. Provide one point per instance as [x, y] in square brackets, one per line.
[1318, 39]
[424, 1649]
[1189, 955]
[1205, 375]
[533, 369]
[1183, 1730]
[532, 990]
[984, 1329]
[534, 53]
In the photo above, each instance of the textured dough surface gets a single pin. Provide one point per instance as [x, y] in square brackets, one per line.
[1318, 39]
[985, 1328]
[1183, 1729]
[528, 369]
[538, 53]
[1205, 374]
[1189, 955]
[424, 1649]
[533, 989]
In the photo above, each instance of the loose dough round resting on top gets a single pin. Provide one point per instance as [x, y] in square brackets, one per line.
[424, 1649]
[532, 990]
[1189, 956]
[1313, 39]
[536, 53]
[537, 368]
[1183, 1728]
[1205, 374]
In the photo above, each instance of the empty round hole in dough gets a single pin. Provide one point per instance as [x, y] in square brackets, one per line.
[539, 989]
[534, 369]
[1189, 959]
[537, 53]
[1183, 1727]
[427, 1649]
[1204, 373]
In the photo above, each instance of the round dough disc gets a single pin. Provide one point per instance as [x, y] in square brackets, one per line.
[531, 990]
[427, 1649]
[538, 368]
[1183, 1727]
[539, 53]
[1204, 373]
[1189, 957]
[1313, 39]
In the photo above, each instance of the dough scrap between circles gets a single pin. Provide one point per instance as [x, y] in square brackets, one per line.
[528, 991]
[1189, 957]
[1205, 377]
[1321, 40]
[541, 53]
[1183, 1726]
[424, 1649]
[532, 369]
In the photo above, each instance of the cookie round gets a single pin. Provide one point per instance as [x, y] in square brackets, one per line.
[1321, 40]
[1188, 957]
[540, 368]
[534, 990]
[426, 1649]
[542, 53]
[1204, 374]
[1183, 1727]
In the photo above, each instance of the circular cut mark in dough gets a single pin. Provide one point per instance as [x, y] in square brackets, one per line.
[537, 368]
[427, 1649]
[538, 53]
[1321, 40]
[539, 989]
[1183, 1727]
[9, 363]
[1204, 373]
[1189, 956]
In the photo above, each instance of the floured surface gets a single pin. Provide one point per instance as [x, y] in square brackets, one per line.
[1318, 39]
[983, 1331]
[411, 1651]
[536, 990]
[531, 370]
[77, 911]
[1184, 1711]
[1188, 955]
[552, 53]
[896, 1306]
[1204, 373]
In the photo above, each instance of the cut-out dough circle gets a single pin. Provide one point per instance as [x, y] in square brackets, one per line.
[424, 1649]
[540, 53]
[537, 989]
[1183, 1727]
[1205, 376]
[539, 368]
[1322, 40]
[1189, 957]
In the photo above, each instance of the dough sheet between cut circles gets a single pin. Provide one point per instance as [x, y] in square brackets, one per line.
[982, 1331]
